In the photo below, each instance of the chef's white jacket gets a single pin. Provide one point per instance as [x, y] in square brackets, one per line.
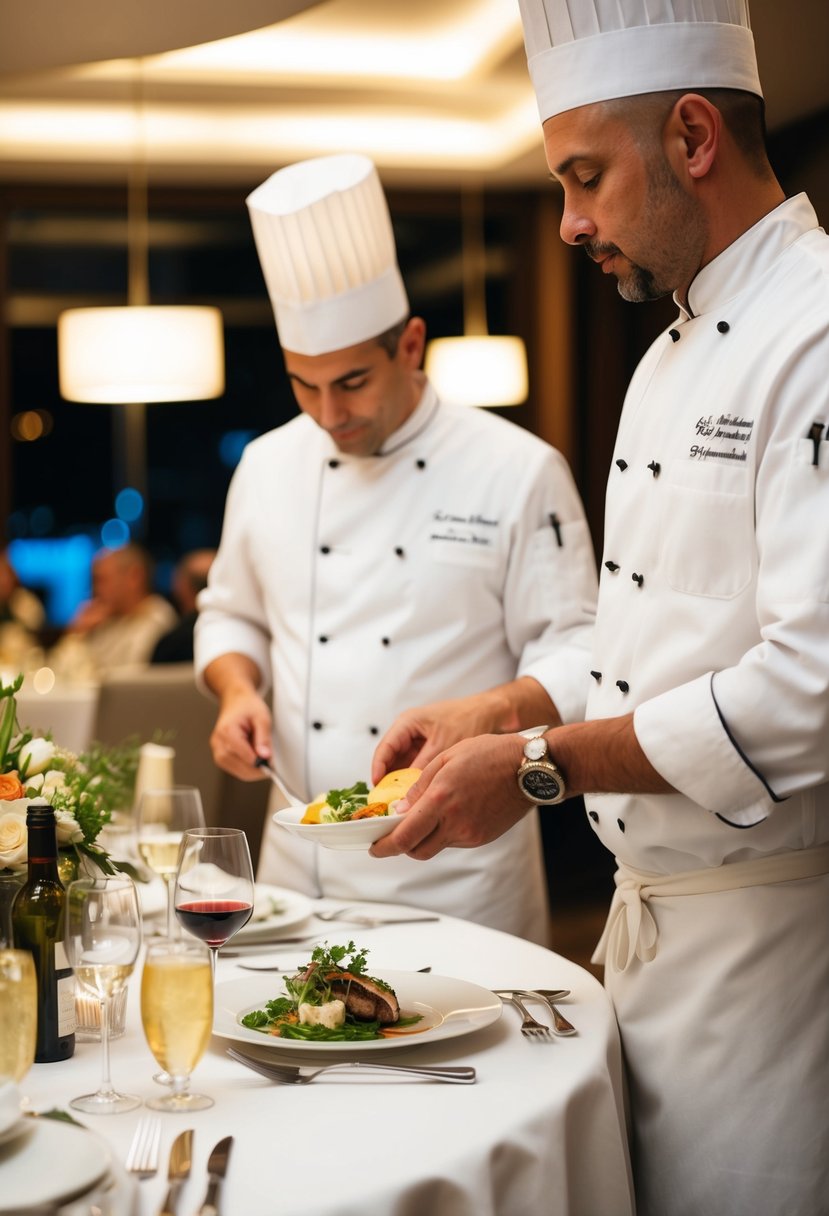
[713, 626]
[456, 558]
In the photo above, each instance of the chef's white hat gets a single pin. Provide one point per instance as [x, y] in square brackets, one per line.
[583, 51]
[325, 242]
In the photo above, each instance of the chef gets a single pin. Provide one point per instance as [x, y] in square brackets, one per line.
[708, 738]
[383, 549]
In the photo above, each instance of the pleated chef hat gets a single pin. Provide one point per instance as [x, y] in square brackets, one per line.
[583, 51]
[325, 242]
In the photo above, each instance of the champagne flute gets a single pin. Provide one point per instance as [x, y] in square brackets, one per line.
[177, 1015]
[18, 1013]
[162, 817]
[214, 885]
[103, 938]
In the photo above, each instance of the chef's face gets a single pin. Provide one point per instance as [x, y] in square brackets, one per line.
[622, 201]
[361, 394]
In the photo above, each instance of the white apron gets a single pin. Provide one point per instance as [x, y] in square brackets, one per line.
[713, 627]
[368, 585]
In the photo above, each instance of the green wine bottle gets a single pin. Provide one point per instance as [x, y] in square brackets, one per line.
[37, 923]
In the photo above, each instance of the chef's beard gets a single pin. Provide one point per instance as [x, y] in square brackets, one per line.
[674, 228]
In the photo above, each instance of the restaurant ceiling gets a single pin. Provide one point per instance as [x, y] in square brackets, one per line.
[436, 92]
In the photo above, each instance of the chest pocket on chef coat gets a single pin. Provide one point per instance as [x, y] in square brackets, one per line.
[706, 528]
[561, 569]
[462, 543]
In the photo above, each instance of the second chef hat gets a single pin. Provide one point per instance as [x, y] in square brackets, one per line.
[584, 51]
[326, 246]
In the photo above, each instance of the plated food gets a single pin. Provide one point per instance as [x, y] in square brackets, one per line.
[351, 818]
[333, 999]
[359, 802]
[448, 1008]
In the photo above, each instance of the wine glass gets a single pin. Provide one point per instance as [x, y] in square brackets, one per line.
[18, 1013]
[162, 817]
[214, 885]
[177, 1015]
[103, 938]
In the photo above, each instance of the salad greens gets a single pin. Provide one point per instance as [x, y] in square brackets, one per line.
[312, 985]
[344, 803]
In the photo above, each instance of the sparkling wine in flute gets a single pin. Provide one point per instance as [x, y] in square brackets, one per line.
[177, 1015]
[160, 852]
[104, 979]
[18, 1013]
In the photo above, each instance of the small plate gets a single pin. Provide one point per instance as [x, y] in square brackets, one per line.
[76, 1160]
[274, 908]
[449, 1008]
[352, 834]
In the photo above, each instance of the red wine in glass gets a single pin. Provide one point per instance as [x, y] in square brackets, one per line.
[213, 895]
[214, 921]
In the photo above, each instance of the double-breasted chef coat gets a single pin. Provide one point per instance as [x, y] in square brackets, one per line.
[713, 626]
[456, 558]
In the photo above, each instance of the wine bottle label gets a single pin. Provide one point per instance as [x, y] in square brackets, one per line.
[67, 1021]
[61, 959]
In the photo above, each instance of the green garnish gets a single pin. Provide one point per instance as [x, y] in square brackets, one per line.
[344, 803]
[312, 985]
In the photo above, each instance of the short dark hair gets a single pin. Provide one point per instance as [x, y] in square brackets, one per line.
[744, 115]
[390, 338]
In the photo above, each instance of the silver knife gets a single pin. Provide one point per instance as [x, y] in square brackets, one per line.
[216, 1170]
[181, 1157]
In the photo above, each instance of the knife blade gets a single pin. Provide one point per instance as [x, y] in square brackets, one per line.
[181, 1158]
[216, 1170]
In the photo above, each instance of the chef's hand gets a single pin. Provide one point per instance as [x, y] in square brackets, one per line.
[466, 797]
[418, 735]
[242, 733]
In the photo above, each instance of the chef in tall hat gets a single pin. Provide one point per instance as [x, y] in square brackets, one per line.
[704, 757]
[380, 551]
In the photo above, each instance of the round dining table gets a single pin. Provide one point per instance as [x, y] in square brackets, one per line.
[541, 1132]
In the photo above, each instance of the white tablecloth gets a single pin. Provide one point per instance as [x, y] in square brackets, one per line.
[541, 1132]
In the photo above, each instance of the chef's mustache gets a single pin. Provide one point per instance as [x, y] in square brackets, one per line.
[597, 249]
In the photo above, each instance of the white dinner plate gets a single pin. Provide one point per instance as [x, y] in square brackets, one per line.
[9, 1104]
[274, 908]
[449, 1008]
[54, 1162]
[352, 834]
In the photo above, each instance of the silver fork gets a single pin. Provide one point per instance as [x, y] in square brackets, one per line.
[560, 1024]
[530, 1028]
[142, 1158]
[370, 922]
[287, 1074]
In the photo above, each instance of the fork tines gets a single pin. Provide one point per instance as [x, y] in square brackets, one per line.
[142, 1158]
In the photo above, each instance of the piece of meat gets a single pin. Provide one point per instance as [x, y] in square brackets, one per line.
[364, 997]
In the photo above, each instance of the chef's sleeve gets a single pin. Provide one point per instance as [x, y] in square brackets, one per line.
[232, 614]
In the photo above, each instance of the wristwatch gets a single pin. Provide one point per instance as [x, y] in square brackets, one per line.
[539, 780]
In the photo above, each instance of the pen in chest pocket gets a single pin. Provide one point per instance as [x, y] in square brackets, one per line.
[815, 433]
[555, 524]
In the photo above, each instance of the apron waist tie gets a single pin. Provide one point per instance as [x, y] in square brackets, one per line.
[630, 930]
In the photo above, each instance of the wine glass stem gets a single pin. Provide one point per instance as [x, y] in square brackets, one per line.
[169, 881]
[106, 1081]
[214, 954]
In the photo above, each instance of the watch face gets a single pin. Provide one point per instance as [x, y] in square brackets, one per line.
[541, 785]
[535, 749]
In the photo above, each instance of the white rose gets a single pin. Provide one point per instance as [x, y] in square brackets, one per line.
[68, 829]
[53, 780]
[36, 782]
[35, 756]
[14, 837]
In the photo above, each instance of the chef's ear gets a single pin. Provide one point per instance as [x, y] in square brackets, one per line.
[413, 343]
[691, 136]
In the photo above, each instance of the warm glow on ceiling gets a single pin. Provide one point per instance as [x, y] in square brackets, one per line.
[431, 86]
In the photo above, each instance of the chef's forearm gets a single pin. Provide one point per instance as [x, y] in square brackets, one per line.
[232, 674]
[604, 757]
[521, 703]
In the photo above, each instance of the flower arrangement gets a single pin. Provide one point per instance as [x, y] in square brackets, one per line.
[83, 789]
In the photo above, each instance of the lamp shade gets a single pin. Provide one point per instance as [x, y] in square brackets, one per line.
[483, 370]
[140, 354]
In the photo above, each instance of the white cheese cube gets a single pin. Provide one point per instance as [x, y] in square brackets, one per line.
[331, 1014]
